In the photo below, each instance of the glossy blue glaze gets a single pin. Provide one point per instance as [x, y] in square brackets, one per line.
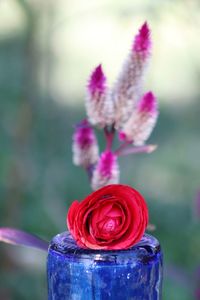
[79, 274]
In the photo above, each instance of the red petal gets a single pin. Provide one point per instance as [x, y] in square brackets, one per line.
[72, 214]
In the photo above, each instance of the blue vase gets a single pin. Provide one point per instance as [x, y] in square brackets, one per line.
[80, 274]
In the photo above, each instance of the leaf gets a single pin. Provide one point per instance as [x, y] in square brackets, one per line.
[18, 237]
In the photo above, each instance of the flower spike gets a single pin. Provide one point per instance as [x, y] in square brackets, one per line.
[128, 88]
[85, 147]
[106, 171]
[98, 102]
[140, 125]
[123, 109]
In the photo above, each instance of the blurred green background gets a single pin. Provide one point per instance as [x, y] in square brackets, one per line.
[47, 50]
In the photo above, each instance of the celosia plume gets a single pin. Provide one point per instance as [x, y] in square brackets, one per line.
[98, 105]
[128, 88]
[142, 121]
[106, 171]
[85, 147]
[97, 83]
[142, 42]
[121, 109]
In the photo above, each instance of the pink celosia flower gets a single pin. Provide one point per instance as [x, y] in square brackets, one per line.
[121, 109]
[97, 83]
[142, 121]
[106, 171]
[128, 88]
[148, 104]
[142, 42]
[98, 105]
[85, 148]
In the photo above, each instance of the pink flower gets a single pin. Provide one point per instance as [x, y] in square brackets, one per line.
[85, 148]
[112, 218]
[128, 88]
[142, 121]
[148, 104]
[97, 83]
[99, 106]
[106, 171]
[142, 42]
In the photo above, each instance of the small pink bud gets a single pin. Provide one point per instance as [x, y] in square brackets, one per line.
[106, 171]
[97, 82]
[142, 42]
[85, 148]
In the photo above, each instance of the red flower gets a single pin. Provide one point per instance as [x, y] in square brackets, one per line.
[111, 218]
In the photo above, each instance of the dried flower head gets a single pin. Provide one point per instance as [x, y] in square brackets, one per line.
[128, 88]
[106, 171]
[85, 147]
[142, 121]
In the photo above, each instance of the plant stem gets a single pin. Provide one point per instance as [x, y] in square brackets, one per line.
[109, 135]
[121, 148]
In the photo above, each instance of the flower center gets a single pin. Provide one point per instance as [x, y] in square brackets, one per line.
[109, 225]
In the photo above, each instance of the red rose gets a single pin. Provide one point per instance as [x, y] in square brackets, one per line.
[111, 218]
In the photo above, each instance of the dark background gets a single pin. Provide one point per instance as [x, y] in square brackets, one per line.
[47, 50]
